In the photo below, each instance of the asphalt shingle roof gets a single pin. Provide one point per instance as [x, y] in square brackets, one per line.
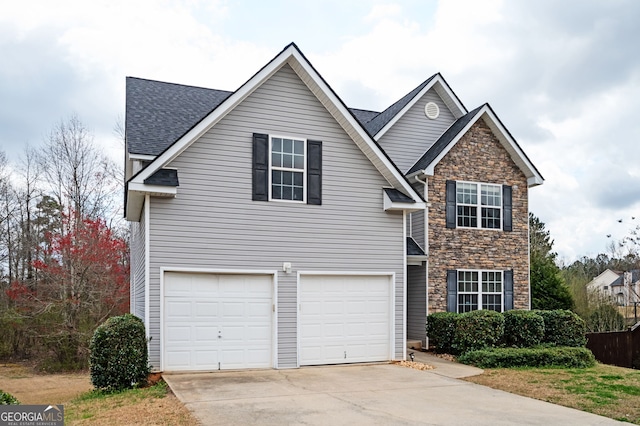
[165, 177]
[413, 249]
[443, 141]
[397, 196]
[378, 122]
[158, 113]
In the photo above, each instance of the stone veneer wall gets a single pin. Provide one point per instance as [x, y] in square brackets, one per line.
[478, 157]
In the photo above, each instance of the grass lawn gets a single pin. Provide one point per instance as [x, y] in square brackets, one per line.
[606, 390]
[149, 406]
[154, 405]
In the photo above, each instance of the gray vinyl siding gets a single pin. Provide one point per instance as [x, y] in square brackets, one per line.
[414, 133]
[416, 303]
[137, 268]
[213, 223]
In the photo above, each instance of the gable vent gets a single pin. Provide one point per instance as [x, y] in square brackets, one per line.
[431, 110]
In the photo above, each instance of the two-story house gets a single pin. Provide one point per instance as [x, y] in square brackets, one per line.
[274, 227]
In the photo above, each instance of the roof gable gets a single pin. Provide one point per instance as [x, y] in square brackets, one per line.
[379, 125]
[292, 56]
[449, 138]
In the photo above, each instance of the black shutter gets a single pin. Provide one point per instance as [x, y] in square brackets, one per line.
[452, 291]
[508, 290]
[451, 204]
[260, 167]
[314, 172]
[507, 224]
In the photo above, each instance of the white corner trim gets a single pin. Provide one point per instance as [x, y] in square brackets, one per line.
[404, 286]
[147, 264]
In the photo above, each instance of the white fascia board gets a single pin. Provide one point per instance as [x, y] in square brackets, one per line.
[215, 116]
[399, 206]
[142, 157]
[416, 260]
[518, 156]
[337, 109]
[442, 88]
[153, 189]
[136, 193]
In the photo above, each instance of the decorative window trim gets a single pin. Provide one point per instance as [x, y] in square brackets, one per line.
[454, 293]
[292, 169]
[482, 277]
[479, 206]
[475, 209]
[261, 187]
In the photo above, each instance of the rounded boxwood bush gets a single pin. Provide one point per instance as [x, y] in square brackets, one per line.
[119, 358]
[523, 329]
[563, 328]
[8, 399]
[478, 330]
[441, 327]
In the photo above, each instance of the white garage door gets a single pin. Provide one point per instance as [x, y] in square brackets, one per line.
[344, 319]
[217, 321]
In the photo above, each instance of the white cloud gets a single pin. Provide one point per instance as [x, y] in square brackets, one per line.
[560, 75]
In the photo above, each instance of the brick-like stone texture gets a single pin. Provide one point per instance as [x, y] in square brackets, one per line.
[478, 157]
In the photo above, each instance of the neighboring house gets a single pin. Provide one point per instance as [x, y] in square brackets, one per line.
[621, 287]
[273, 227]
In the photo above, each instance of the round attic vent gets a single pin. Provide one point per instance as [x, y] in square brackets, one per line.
[431, 110]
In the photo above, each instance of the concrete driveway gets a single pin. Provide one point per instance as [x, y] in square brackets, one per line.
[374, 394]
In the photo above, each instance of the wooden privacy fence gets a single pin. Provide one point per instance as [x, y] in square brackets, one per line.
[621, 348]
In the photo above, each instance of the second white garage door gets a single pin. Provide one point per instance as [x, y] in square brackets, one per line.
[344, 319]
[217, 321]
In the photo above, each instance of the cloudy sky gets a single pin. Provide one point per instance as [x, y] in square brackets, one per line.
[564, 76]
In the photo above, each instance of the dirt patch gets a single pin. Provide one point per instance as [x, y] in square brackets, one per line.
[36, 388]
[414, 365]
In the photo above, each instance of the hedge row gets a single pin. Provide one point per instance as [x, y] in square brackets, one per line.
[461, 333]
[568, 357]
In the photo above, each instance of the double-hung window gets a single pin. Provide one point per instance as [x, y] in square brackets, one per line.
[479, 290]
[288, 168]
[478, 205]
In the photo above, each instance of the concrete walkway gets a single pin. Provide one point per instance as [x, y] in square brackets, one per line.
[374, 394]
[446, 368]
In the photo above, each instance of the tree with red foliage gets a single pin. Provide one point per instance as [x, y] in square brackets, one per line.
[85, 269]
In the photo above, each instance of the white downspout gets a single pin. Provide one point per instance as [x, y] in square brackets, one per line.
[425, 182]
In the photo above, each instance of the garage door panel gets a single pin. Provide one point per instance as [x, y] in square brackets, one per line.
[211, 321]
[179, 335]
[344, 319]
[179, 310]
[206, 310]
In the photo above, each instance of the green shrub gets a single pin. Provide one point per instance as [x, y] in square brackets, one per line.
[8, 399]
[478, 330]
[118, 358]
[523, 329]
[563, 328]
[441, 327]
[568, 357]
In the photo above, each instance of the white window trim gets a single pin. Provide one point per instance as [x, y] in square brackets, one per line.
[479, 206]
[479, 293]
[286, 169]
